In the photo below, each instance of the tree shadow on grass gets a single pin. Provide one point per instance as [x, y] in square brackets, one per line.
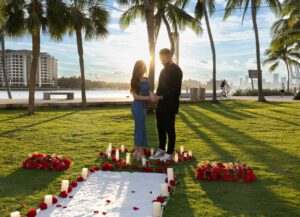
[238, 199]
[242, 141]
[23, 182]
[38, 123]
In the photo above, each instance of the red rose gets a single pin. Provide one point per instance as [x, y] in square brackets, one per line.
[117, 165]
[124, 166]
[80, 179]
[96, 168]
[63, 194]
[54, 200]
[159, 199]
[31, 213]
[169, 188]
[70, 189]
[166, 180]
[101, 153]
[159, 170]
[113, 159]
[180, 159]
[43, 205]
[158, 163]
[135, 166]
[92, 170]
[150, 169]
[172, 183]
[74, 184]
[113, 151]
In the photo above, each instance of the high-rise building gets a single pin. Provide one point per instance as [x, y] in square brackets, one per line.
[276, 80]
[18, 67]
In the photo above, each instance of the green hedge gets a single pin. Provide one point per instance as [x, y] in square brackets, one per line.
[297, 96]
[267, 92]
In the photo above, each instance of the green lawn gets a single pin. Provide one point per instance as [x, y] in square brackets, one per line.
[264, 135]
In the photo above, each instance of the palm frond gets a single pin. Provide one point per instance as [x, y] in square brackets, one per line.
[131, 14]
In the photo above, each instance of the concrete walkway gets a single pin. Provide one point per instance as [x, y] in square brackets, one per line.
[22, 103]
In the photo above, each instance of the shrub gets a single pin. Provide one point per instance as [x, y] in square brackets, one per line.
[267, 92]
[297, 96]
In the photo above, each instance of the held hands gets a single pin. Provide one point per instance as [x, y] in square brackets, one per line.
[154, 97]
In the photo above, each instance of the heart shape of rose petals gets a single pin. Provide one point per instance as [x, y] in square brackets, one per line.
[135, 208]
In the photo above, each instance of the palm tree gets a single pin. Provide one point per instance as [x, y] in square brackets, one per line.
[90, 18]
[170, 12]
[201, 10]
[24, 17]
[2, 38]
[231, 6]
[286, 30]
[289, 56]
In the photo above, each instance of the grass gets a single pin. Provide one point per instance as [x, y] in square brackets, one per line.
[264, 135]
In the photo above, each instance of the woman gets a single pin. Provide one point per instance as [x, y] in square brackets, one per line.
[140, 90]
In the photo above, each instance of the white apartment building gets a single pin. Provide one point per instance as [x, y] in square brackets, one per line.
[18, 67]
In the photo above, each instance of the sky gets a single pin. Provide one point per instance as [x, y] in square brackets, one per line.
[112, 59]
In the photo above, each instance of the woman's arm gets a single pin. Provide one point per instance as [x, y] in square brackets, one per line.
[139, 97]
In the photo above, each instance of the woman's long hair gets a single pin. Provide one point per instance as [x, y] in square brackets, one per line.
[139, 70]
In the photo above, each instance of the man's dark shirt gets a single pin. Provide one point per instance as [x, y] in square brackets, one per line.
[169, 87]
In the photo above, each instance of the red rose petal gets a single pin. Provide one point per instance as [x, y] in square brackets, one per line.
[71, 196]
[107, 201]
[135, 208]
[58, 205]
[150, 192]
[96, 211]
[104, 213]
[65, 207]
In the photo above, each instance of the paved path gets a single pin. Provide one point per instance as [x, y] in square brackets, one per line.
[22, 103]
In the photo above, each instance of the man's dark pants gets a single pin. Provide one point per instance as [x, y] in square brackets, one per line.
[165, 120]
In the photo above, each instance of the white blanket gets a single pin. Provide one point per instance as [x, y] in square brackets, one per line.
[126, 191]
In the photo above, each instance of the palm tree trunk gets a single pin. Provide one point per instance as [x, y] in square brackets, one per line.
[36, 41]
[172, 43]
[261, 97]
[3, 66]
[213, 50]
[149, 15]
[81, 62]
[288, 71]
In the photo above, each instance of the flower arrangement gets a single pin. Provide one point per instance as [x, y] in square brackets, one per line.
[42, 161]
[227, 172]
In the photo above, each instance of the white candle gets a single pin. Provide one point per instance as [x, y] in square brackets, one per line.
[15, 214]
[144, 162]
[181, 149]
[84, 173]
[185, 155]
[122, 148]
[176, 157]
[190, 154]
[64, 185]
[127, 158]
[170, 173]
[108, 154]
[156, 209]
[164, 190]
[152, 151]
[117, 154]
[109, 148]
[48, 200]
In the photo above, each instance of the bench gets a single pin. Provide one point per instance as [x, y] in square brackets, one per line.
[47, 95]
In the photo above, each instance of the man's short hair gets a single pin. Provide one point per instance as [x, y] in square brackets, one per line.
[165, 52]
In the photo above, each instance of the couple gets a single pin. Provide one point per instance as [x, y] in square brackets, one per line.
[167, 99]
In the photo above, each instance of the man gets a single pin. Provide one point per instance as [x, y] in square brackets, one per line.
[167, 98]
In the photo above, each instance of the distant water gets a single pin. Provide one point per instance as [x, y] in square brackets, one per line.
[77, 94]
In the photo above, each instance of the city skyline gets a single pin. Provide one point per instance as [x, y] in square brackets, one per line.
[112, 59]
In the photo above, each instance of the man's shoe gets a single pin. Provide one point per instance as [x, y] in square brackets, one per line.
[166, 157]
[158, 154]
